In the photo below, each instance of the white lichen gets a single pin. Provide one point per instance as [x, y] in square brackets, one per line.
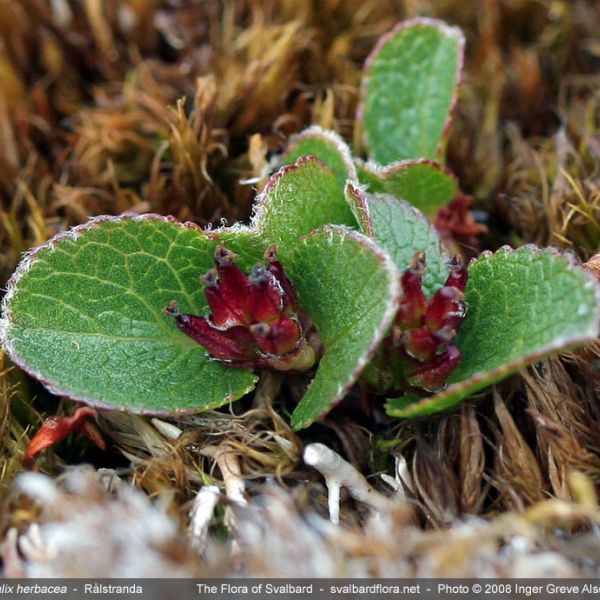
[201, 514]
[340, 473]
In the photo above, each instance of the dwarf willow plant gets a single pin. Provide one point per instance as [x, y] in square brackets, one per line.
[408, 95]
[339, 273]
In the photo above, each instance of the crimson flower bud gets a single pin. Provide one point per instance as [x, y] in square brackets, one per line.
[424, 333]
[234, 343]
[421, 343]
[265, 297]
[255, 320]
[458, 274]
[432, 374]
[275, 268]
[446, 308]
[279, 337]
[224, 313]
[413, 303]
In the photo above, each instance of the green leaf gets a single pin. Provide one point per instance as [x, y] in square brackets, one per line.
[325, 145]
[401, 230]
[243, 241]
[409, 90]
[84, 314]
[423, 183]
[298, 199]
[349, 288]
[522, 305]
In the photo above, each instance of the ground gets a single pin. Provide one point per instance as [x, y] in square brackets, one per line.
[170, 107]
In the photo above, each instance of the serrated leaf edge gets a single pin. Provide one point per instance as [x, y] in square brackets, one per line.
[393, 301]
[447, 30]
[24, 266]
[482, 380]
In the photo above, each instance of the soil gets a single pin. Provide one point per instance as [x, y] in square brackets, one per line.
[171, 106]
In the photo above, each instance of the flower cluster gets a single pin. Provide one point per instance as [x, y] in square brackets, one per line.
[424, 332]
[255, 319]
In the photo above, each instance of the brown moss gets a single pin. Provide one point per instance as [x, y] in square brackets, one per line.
[174, 107]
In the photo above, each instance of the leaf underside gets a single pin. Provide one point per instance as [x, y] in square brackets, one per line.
[522, 305]
[349, 289]
[86, 318]
[409, 87]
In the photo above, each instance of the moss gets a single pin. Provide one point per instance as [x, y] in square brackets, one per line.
[169, 107]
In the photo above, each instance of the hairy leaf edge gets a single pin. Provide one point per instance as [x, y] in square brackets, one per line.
[393, 301]
[328, 135]
[356, 198]
[447, 30]
[24, 266]
[359, 203]
[482, 380]
[263, 200]
[384, 171]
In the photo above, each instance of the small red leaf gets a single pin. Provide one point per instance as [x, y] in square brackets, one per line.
[91, 431]
[56, 429]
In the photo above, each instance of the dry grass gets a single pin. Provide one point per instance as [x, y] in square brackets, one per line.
[168, 106]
